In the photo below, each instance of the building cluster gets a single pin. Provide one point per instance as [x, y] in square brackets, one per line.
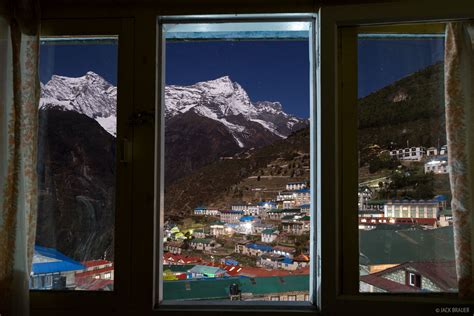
[435, 160]
[52, 270]
[431, 213]
[262, 233]
[418, 153]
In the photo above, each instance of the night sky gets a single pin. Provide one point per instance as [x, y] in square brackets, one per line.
[75, 60]
[268, 71]
[382, 62]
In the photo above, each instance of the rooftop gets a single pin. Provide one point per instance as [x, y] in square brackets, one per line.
[219, 288]
[55, 261]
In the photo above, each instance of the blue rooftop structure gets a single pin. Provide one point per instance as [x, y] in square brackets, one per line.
[441, 198]
[59, 262]
[287, 260]
[247, 218]
[263, 248]
[302, 191]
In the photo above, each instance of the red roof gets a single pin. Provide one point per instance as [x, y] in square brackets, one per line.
[284, 249]
[443, 274]
[180, 258]
[94, 272]
[386, 284]
[94, 263]
[92, 284]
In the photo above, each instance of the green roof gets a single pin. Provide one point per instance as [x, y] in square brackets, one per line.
[201, 240]
[398, 246]
[269, 285]
[376, 202]
[200, 269]
[268, 231]
[219, 288]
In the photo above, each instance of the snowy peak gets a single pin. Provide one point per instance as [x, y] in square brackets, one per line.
[90, 95]
[226, 101]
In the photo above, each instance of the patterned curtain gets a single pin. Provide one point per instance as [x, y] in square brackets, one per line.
[19, 97]
[459, 94]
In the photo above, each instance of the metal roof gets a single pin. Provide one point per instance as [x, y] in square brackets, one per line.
[61, 262]
[206, 289]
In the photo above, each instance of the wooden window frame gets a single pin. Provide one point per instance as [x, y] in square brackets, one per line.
[41, 300]
[338, 245]
[338, 46]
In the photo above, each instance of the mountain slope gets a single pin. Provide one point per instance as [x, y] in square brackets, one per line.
[216, 118]
[76, 174]
[207, 184]
[409, 111]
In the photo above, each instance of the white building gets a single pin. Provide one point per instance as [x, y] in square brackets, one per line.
[432, 151]
[411, 209]
[269, 235]
[436, 166]
[444, 150]
[412, 153]
[291, 186]
[247, 208]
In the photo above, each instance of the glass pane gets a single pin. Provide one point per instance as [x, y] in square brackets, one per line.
[76, 164]
[405, 220]
[237, 162]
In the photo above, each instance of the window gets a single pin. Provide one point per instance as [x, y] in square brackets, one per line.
[77, 158]
[401, 100]
[339, 253]
[414, 279]
[236, 104]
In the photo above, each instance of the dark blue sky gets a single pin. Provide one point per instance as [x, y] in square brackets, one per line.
[267, 70]
[75, 60]
[382, 62]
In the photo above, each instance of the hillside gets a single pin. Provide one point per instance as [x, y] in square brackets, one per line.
[409, 111]
[224, 181]
[76, 185]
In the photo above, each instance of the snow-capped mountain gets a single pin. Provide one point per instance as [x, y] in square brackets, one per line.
[90, 94]
[221, 100]
[227, 102]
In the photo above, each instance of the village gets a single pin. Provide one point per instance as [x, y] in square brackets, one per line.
[268, 239]
[261, 250]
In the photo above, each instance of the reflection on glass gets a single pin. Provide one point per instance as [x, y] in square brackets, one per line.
[76, 165]
[405, 220]
[237, 199]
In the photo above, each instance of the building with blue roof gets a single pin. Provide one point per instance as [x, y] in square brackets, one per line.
[247, 218]
[52, 269]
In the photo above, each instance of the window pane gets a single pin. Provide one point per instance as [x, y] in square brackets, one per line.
[237, 182]
[76, 164]
[405, 221]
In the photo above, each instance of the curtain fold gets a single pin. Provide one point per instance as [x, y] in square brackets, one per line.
[19, 98]
[459, 100]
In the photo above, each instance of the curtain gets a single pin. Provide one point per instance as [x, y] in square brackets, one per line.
[19, 98]
[459, 100]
